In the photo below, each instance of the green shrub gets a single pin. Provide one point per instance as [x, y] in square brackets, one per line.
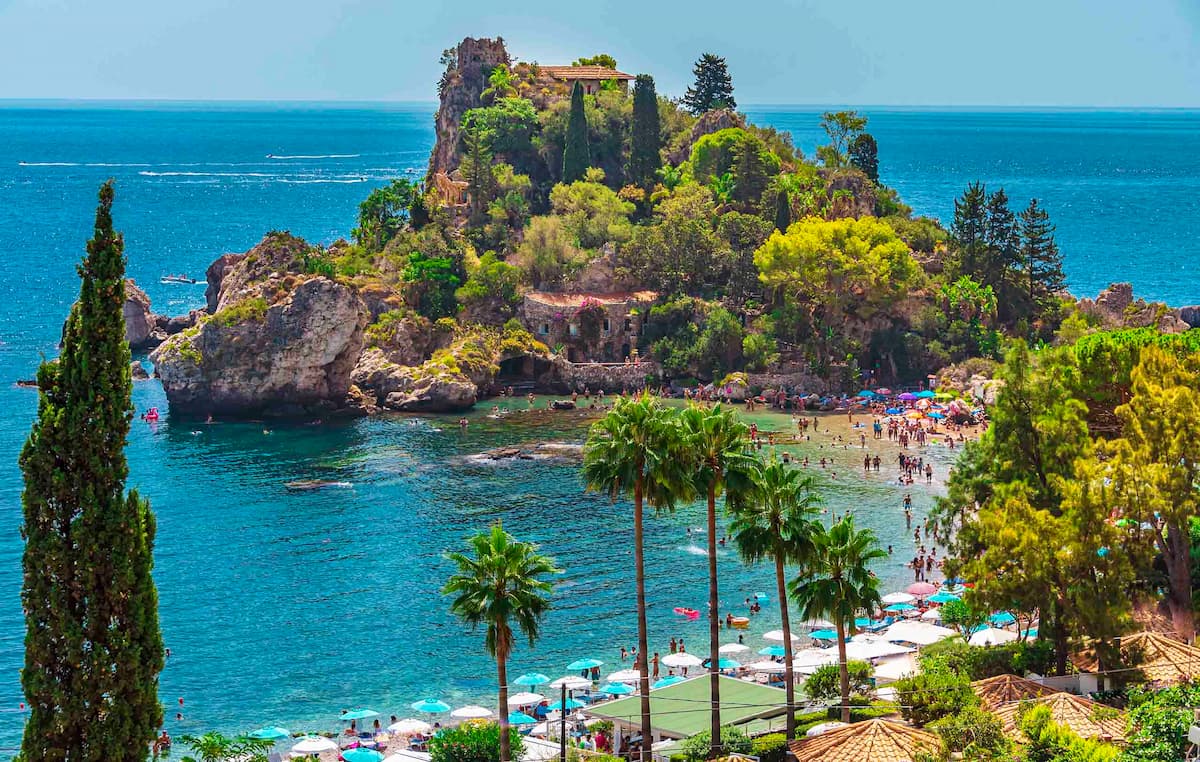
[980, 662]
[770, 748]
[733, 741]
[825, 682]
[472, 742]
[975, 733]
[251, 308]
[806, 720]
[936, 692]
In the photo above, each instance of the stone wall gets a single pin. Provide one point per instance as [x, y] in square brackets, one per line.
[610, 378]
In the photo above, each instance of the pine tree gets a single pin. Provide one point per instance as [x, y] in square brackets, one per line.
[750, 175]
[576, 157]
[1040, 254]
[93, 650]
[476, 168]
[645, 138]
[713, 87]
[969, 229]
[864, 154]
[783, 211]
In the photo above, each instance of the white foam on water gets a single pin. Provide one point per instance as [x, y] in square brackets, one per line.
[316, 156]
[47, 164]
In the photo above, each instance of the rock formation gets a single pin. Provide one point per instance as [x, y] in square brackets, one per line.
[215, 275]
[460, 88]
[1115, 307]
[139, 320]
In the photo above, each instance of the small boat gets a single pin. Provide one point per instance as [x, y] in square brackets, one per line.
[686, 612]
[562, 405]
[740, 622]
[303, 485]
[177, 279]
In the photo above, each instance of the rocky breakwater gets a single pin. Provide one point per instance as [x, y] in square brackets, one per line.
[280, 342]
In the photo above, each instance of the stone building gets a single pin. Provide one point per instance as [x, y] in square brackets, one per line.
[590, 326]
[590, 77]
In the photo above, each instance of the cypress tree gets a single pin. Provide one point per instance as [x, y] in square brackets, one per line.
[713, 87]
[576, 158]
[750, 176]
[783, 211]
[645, 137]
[93, 650]
[864, 154]
[1040, 254]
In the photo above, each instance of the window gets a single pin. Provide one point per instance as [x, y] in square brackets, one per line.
[607, 327]
[544, 329]
[628, 325]
[574, 329]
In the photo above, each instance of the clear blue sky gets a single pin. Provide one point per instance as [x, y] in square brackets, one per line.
[865, 52]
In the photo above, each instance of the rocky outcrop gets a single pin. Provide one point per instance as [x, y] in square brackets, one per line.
[139, 320]
[138, 371]
[707, 123]
[1190, 315]
[850, 193]
[402, 388]
[1116, 307]
[459, 90]
[215, 275]
[292, 357]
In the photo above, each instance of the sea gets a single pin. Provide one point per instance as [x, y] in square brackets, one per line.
[284, 607]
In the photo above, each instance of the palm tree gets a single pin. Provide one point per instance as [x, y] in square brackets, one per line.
[635, 450]
[775, 521]
[215, 747]
[501, 84]
[500, 583]
[837, 583]
[717, 455]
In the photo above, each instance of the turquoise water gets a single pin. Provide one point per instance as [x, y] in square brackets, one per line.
[286, 607]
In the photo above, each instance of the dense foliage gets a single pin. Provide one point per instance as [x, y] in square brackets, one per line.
[93, 650]
[473, 742]
[713, 88]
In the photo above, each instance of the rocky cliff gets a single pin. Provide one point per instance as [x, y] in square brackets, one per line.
[459, 91]
[1115, 307]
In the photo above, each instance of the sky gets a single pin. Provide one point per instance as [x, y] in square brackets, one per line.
[1099, 53]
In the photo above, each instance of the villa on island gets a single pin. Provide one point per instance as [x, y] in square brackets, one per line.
[589, 77]
[593, 327]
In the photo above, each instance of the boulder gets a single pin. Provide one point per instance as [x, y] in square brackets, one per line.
[216, 275]
[290, 357]
[434, 394]
[138, 371]
[1190, 315]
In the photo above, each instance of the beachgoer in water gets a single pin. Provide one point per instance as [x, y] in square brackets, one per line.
[673, 645]
[624, 655]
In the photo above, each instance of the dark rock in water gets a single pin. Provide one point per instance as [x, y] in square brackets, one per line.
[562, 405]
[27, 383]
[138, 371]
[305, 485]
[181, 323]
[506, 453]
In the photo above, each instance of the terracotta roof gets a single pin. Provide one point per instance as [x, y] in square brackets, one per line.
[1008, 689]
[872, 740]
[576, 298]
[1076, 713]
[584, 72]
[1163, 659]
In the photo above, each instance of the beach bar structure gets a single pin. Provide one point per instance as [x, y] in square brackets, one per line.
[681, 710]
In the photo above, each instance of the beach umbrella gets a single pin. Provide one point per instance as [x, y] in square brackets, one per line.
[735, 648]
[866, 393]
[271, 733]
[358, 714]
[862, 621]
[616, 689]
[823, 727]
[361, 755]
[920, 633]
[894, 410]
[990, 636]
[883, 391]
[525, 699]
[625, 676]
[668, 680]
[823, 635]
[898, 598]
[532, 678]
[681, 660]
[813, 657]
[936, 416]
[771, 651]
[409, 726]
[572, 682]
[900, 607]
[942, 596]
[907, 397]
[777, 635]
[875, 648]
[571, 704]
[579, 664]
[723, 663]
[921, 589]
[1001, 618]
[472, 712]
[766, 665]
[432, 706]
[314, 745]
[932, 615]
[925, 395]
[520, 718]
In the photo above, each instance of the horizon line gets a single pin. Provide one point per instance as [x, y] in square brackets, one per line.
[6, 101]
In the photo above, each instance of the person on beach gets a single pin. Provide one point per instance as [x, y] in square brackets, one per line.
[928, 473]
[682, 650]
[654, 664]
[673, 645]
